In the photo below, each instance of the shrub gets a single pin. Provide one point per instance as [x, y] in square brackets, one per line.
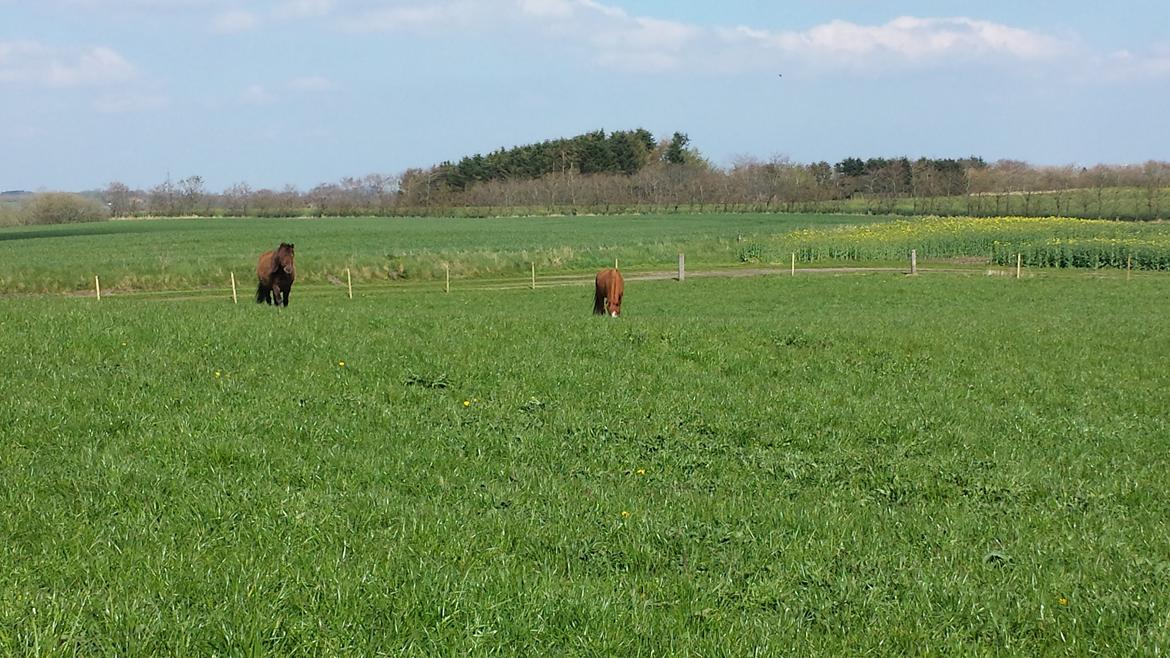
[63, 208]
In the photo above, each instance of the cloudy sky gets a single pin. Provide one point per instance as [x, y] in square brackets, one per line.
[275, 92]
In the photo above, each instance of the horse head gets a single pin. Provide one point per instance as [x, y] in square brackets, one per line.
[284, 257]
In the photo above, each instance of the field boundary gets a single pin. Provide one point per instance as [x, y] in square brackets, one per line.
[319, 289]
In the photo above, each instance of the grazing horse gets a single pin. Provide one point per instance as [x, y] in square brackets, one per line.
[276, 272]
[607, 297]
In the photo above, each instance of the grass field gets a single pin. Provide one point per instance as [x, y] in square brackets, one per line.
[201, 255]
[175, 254]
[811, 465]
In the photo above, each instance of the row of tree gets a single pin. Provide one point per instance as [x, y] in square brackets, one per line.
[621, 152]
[628, 170]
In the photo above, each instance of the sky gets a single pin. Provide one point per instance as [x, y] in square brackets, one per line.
[301, 92]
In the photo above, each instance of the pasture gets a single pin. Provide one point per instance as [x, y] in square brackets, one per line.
[811, 465]
[184, 254]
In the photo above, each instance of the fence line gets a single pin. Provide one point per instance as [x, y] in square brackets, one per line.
[317, 289]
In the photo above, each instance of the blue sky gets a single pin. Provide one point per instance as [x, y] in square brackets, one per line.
[301, 92]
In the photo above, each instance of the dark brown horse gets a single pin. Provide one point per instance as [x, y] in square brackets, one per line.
[607, 297]
[276, 272]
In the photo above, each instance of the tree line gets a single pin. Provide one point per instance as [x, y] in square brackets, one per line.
[630, 171]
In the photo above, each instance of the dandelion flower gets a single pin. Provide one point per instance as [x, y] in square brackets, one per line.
[625, 514]
[640, 471]
[467, 403]
[1062, 601]
[218, 373]
[341, 364]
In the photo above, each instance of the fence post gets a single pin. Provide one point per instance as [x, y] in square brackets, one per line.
[794, 263]
[534, 276]
[913, 261]
[1128, 265]
[235, 300]
[97, 286]
[349, 282]
[615, 261]
[1019, 264]
[448, 270]
[682, 268]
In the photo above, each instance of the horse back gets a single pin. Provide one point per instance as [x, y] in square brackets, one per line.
[264, 265]
[610, 282]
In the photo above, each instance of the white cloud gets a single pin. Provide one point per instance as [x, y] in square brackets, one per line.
[1125, 64]
[235, 20]
[620, 40]
[130, 103]
[304, 8]
[35, 63]
[112, 5]
[918, 40]
[547, 8]
[439, 15]
[257, 95]
[311, 84]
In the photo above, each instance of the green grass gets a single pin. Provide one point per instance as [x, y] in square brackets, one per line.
[828, 465]
[185, 254]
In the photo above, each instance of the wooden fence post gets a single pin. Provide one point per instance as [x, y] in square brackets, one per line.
[448, 269]
[97, 286]
[1128, 266]
[1019, 264]
[682, 268]
[794, 263]
[534, 276]
[913, 261]
[349, 282]
[235, 300]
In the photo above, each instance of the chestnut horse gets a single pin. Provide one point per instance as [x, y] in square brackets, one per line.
[607, 297]
[276, 272]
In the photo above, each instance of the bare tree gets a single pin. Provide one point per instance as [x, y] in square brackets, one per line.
[192, 196]
[118, 199]
[237, 197]
[162, 199]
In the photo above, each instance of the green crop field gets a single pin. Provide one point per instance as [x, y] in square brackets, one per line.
[812, 465]
[174, 254]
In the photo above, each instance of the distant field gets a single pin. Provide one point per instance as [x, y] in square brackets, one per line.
[201, 254]
[175, 254]
[828, 465]
[1039, 241]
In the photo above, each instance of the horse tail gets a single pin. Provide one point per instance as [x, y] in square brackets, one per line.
[599, 298]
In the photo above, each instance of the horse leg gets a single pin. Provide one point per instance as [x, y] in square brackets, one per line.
[276, 294]
[287, 290]
[263, 294]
